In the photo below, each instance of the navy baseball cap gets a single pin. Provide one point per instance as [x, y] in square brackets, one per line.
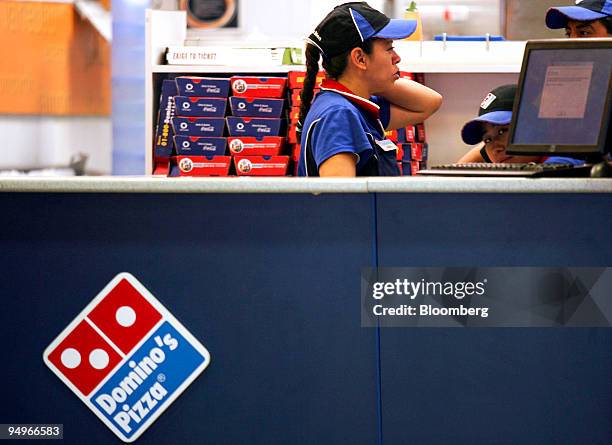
[584, 11]
[350, 24]
[495, 109]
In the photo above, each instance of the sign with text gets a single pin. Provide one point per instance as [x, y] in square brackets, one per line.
[486, 297]
[126, 357]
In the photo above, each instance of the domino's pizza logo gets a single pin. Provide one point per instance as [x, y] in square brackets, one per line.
[126, 357]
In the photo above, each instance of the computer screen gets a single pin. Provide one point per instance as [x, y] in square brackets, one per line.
[563, 101]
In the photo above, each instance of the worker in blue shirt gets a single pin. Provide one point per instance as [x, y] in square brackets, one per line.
[343, 130]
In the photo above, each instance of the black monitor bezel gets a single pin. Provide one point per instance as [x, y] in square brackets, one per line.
[570, 150]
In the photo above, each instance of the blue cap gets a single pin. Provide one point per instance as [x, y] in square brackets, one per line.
[472, 131]
[350, 24]
[584, 11]
[495, 109]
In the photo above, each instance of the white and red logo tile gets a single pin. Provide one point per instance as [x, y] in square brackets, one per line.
[126, 357]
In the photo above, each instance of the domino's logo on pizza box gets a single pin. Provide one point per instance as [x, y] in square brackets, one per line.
[126, 357]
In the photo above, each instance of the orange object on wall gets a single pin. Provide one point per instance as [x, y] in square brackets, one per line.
[52, 61]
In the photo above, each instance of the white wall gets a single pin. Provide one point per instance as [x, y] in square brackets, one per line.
[44, 141]
[276, 19]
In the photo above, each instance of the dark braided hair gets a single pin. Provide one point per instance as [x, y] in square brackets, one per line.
[333, 67]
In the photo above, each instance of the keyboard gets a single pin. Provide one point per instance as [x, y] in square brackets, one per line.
[510, 169]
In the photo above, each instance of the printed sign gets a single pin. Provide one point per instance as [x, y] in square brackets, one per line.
[126, 357]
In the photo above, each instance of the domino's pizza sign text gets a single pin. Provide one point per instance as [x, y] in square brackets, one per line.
[126, 357]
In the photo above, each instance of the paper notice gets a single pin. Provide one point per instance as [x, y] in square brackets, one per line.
[565, 92]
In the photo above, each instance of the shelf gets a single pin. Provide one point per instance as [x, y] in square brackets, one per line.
[420, 68]
[463, 72]
[225, 69]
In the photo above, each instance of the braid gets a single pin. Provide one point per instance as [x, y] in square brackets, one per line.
[312, 69]
[334, 67]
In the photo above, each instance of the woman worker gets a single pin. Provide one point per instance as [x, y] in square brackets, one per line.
[343, 129]
[492, 127]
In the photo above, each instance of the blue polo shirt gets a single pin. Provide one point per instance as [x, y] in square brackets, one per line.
[342, 122]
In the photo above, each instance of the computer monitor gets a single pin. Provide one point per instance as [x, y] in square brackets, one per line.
[564, 99]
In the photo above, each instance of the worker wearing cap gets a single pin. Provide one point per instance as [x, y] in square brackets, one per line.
[343, 129]
[491, 126]
[588, 18]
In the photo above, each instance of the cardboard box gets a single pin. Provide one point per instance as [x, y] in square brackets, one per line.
[391, 135]
[52, 61]
[410, 134]
[296, 79]
[292, 136]
[200, 106]
[202, 86]
[296, 99]
[198, 126]
[161, 167]
[199, 165]
[261, 165]
[164, 144]
[294, 115]
[256, 146]
[273, 87]
[257, 107]
[414, 151]
[199, 146]
[420, 133]
[255, 126]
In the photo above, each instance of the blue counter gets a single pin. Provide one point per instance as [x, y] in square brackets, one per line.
[268, 279]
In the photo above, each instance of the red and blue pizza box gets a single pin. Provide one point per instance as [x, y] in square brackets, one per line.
[198, 126]
[261, 165]
[410, 168]
[296, 98]
[256, 146]
[161, 167]
[406, 134]
[391, 135]
[292, 136]
[163, 131]
[199, 146]
[256, 107]
[400, 152]
[296, 79]
[273, 87]
[255, 126]
[200, 106]
[200, 165]
[414, 151]
[202, 86]
[294, 115]
[420, 133]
